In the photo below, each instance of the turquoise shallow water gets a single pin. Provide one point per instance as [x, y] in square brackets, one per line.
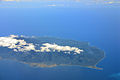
[97, 24]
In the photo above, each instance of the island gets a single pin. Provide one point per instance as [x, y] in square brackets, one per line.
[49, 51]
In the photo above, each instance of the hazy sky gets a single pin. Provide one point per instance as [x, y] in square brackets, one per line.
[55, 3]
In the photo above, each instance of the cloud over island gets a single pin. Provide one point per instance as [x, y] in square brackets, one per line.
[17, 45]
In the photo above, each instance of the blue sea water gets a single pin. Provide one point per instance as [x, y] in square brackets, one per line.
[97, 24]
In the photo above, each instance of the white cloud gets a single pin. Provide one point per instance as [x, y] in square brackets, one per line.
[17, 45]
[52, 5]
[48, 47]
[21, 45]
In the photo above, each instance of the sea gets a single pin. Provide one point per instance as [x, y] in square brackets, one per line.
[93, 21]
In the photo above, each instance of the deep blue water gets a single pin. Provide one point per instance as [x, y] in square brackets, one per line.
[100, 26]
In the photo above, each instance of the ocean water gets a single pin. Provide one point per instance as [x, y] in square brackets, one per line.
[95, 22]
